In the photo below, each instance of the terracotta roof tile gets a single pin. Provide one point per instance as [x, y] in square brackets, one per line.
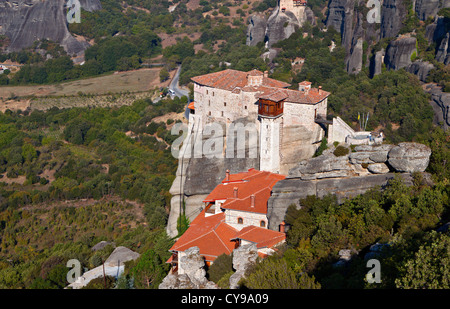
[232, 80]
[263, 238]
[210, 233]
[313, 96]
[252, 182]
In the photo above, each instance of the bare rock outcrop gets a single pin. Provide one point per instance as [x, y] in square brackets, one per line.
[427, 8]
[440, 102]
[346, 176]
[194, 276]
[421, 69]
[443, 52]
[243, 257]
[25, 21]
[393, 12]
[409, 157]
[256, 30]
[399, 53]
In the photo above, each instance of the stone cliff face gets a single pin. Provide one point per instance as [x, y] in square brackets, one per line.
[393, 12]
[25, 21]
[440, 101]
[345, 16]
[399, 53]
[427, 8]
[197, 177]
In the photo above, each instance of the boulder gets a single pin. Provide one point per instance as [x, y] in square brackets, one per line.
[120, 255]
[378, 168]
[243, 257]
[194, 276]
[324, 166]
[409, 157]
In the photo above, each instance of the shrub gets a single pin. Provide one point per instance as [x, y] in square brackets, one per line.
[341, 151]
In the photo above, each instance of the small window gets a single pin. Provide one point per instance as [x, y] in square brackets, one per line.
[209, 102]
[209, 113]
[240, 221]
[206, 91]
[262, 223]
[222, 113]
[245, 107]
[224, 103]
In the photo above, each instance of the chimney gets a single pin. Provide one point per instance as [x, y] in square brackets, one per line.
[227, 175]
[252, 200]
[266, 73]
[320, 89]
[235, 192]
[282, 227]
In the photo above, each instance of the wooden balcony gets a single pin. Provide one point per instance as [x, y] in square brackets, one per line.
[268, 108]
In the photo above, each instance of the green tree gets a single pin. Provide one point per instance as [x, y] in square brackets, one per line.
[274, 273]
[148, 271]
[430, 266]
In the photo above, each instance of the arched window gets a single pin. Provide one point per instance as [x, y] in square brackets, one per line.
[262, 223]
[240, 220]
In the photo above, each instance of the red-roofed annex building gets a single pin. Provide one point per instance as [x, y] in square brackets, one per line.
[286, 118]
[234, 213]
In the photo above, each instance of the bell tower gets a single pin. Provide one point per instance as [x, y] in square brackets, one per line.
[270, 114]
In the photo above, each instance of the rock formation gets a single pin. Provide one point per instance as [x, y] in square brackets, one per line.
[399, 53]
[443, 52]
[427, 8]
[440, 101]
[243, 257]
[421, 69]
[25, 21]
[278, 26]
[393, 12]
[346, 176]
[409, 157]
[194, 276]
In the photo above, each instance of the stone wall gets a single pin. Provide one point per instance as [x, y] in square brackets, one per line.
[339, 130]
[249, 218]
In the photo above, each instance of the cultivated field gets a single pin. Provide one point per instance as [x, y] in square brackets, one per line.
[73, 93]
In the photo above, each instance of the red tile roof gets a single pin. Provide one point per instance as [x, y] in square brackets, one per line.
[313, 96]
[210, 234]
[232, 80]
[272, 89]
[263, 238]
[252, 182]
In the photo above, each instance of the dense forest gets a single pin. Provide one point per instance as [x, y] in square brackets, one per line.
[82, 155]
